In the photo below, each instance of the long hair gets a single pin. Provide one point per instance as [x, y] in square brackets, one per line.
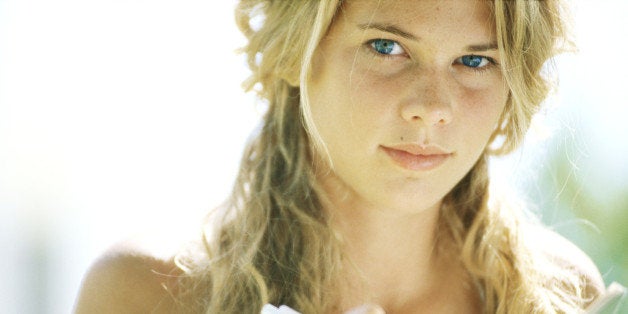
[270, 242]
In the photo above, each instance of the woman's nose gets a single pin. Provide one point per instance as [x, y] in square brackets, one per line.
[430, 114]
[430, 103]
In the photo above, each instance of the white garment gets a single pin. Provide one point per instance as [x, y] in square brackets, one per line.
[609, 302]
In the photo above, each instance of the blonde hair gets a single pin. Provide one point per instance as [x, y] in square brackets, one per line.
[270, 242]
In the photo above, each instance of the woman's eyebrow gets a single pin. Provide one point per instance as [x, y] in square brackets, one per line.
[482, 47]
[389, 28]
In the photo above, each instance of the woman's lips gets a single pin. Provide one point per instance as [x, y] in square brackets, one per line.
[417, 157]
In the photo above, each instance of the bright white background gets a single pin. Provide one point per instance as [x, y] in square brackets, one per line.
[122, 115]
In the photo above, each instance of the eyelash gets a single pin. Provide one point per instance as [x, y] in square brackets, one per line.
[370, 46]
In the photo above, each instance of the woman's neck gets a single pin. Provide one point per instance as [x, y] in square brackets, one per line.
[392, 256]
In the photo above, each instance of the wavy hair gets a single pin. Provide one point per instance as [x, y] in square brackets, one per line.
[270, 242]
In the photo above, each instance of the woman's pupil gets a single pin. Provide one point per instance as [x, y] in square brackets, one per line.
[472, 61]
[383, 46]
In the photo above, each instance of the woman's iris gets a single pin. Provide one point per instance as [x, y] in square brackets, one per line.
[383, 46]
[473, 61]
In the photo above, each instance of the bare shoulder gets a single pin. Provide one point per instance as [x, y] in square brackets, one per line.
[567, 255]
[129, 278]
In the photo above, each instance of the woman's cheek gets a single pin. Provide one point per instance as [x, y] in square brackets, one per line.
[480, 110]
[488, 95]
[377, 90]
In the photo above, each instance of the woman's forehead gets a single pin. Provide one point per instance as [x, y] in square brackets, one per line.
[468, 14]
[443, 25]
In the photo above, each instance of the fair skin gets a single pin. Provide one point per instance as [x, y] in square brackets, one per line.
[131, 277]
[386, 74]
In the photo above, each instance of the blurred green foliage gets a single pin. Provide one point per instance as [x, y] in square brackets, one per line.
[580, 208]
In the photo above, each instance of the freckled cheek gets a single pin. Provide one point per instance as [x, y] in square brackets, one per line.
[482, 108]
[344, 109]
[374, 92]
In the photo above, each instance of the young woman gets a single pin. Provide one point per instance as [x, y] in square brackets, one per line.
[367, 182]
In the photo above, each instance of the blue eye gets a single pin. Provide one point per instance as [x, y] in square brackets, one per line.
[386, 47]
[475, 61]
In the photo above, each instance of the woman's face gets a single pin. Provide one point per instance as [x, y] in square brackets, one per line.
[405, 94]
